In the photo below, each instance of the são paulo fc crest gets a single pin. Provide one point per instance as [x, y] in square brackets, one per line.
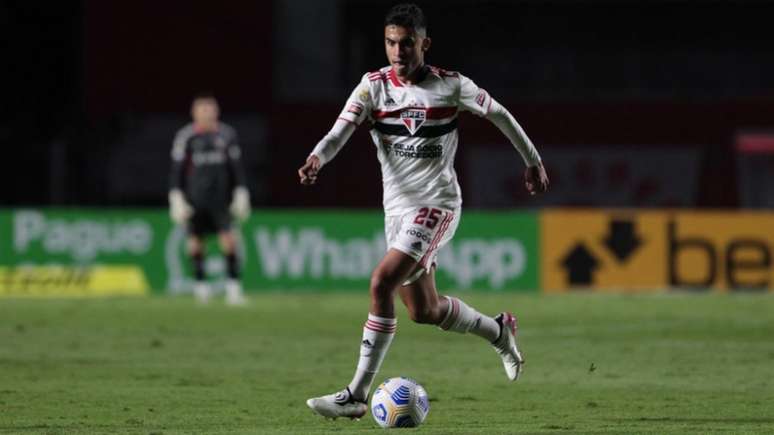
[413, 119]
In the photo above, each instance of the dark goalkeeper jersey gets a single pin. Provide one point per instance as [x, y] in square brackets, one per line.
[206, 166]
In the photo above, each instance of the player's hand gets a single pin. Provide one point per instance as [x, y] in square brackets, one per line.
[240, 204]
[536, 179]
[308, 172]
[179, 209]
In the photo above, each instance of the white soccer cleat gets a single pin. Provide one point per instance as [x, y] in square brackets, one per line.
[234, 295]
[236, 300]
[341, 404]
[202, 293]
[506, 346]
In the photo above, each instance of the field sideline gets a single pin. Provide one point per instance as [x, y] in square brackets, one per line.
[595, 364]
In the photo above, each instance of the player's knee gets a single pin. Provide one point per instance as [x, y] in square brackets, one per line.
[227, 242]
[380, 286]
[195, 247]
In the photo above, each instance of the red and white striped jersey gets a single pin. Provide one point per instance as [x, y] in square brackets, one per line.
[414, 128]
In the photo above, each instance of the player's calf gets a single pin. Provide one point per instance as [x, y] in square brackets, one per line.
[426, 315]
[500, 331]
[462, 318]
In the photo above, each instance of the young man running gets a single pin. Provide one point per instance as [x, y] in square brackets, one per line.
[412, 108]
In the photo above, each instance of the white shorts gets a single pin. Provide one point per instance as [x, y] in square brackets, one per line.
[420, 233]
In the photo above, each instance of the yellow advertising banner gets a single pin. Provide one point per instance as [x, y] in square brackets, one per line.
[61, 281]
[627, 250]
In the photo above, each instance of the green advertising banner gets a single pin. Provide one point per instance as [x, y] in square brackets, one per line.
[338, 250]
[76, 252]
[132, 251]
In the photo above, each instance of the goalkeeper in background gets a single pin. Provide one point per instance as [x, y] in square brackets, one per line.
[207, 188]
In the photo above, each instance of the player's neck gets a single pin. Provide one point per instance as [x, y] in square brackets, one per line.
[415, 76]
[206, 126]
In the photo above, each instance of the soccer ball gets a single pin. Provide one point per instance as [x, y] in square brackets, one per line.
[399, 402]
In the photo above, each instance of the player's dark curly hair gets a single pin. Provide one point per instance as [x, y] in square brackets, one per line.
[406, 15]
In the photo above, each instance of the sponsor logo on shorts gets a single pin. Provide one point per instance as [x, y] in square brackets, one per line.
[418, 234]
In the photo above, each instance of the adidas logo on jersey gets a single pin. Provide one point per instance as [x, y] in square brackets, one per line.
[389, 102]
[417, 246]
[413, 119]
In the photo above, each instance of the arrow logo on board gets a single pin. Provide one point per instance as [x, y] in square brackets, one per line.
[580, 264]
[622, 241]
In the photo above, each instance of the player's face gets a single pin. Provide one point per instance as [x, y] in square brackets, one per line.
[405, 49]
[205, 111]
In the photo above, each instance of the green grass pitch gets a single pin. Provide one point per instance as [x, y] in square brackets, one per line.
[595, 364]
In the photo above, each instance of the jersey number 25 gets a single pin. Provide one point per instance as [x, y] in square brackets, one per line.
[427, 217]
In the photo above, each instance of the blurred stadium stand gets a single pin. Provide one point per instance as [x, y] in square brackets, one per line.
[633, 103]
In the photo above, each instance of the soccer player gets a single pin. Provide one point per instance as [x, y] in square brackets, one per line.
[412, 112]
[207, 187]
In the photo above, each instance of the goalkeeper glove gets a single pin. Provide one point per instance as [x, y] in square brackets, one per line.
[240, 204]
[179, 209]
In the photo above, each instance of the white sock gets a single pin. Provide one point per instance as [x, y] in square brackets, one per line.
[233, 288]
[462, 318]
[234, 294]
[377, 336]
[202, 291]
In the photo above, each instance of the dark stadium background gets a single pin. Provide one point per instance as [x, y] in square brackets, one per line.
[647, 308]
[94, 91]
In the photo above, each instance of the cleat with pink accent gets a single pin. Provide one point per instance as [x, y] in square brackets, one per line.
[506, 346]
[340, 404]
